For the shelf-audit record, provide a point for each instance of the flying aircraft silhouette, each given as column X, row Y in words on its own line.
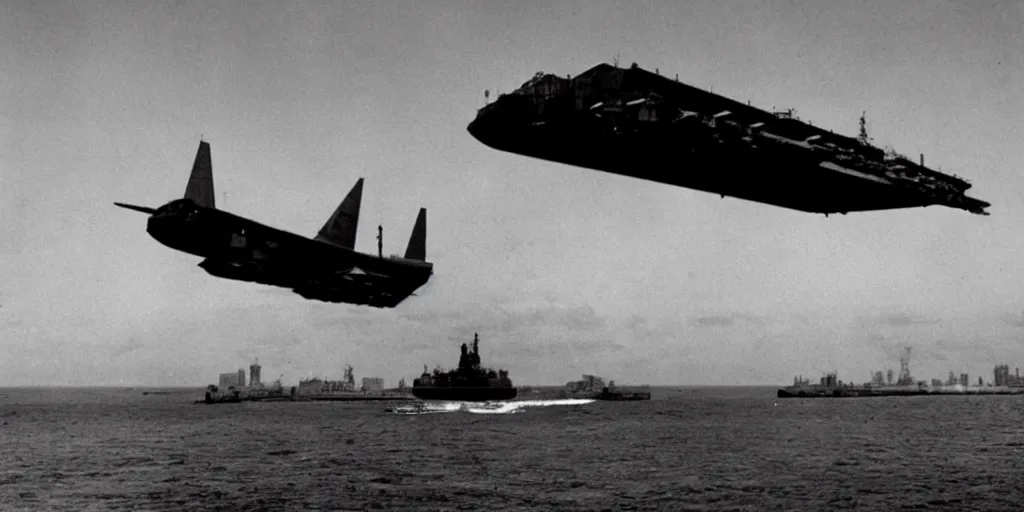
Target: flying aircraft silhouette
column 636, row 123
column 325, row 268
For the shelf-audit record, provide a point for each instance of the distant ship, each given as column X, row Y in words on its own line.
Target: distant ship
column 258, row 392
column 469, row 382
column 831, row 387
column 593, row 387
column 345, row 390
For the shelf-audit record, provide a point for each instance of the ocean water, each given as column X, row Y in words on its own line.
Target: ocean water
column 686, row 449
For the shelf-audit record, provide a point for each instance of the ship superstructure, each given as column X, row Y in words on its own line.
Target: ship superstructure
column 469, row 382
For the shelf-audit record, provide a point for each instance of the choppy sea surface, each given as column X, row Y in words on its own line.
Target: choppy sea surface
column 686, row 449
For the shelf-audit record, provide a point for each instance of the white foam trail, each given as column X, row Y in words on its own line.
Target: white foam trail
column 433, row 407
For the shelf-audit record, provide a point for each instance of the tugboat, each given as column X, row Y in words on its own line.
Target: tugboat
column 470, row 382
column 214, row 395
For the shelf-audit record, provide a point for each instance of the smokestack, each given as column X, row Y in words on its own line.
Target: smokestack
column 922, row 159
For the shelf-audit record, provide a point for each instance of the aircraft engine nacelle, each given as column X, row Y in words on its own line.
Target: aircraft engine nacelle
column 240, row 271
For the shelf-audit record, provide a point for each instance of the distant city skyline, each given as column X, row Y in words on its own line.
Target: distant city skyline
column 562, row 271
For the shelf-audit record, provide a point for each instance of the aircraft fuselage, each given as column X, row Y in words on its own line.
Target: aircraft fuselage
column 244, row 250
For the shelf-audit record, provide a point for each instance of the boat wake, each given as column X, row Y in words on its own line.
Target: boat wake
column 513, row 407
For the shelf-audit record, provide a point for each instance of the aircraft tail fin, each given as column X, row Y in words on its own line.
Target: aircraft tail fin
column 417, row 249
column 341, row 228
column 200, row 182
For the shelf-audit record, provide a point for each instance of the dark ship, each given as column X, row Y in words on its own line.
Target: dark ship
column 470, row 382
column 633, row 122
column 594, row 387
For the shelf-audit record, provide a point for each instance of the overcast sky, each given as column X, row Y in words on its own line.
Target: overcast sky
column 561, row 270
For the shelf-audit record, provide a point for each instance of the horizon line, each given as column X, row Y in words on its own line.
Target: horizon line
column 147, row 386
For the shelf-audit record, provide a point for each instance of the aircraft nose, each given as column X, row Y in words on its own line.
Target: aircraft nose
column 496, row 120
column 474, row 127
column 157, row 225
column 483, row 127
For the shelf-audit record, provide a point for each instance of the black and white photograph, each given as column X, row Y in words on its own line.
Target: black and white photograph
column 512, row 255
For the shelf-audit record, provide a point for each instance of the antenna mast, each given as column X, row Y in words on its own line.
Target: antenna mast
column 905, row 379
column 380, row 240
column 863, row 137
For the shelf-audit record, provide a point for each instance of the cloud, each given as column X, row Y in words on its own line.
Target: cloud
column 898, row 319
column 125, row 348
column 727, row 320
column 497, row 317
column 1014, row 320
column 713, row 321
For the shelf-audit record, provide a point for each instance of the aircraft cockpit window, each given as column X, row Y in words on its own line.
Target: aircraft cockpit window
column 172, row 208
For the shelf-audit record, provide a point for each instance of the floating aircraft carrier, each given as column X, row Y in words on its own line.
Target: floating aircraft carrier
column 637, row 123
